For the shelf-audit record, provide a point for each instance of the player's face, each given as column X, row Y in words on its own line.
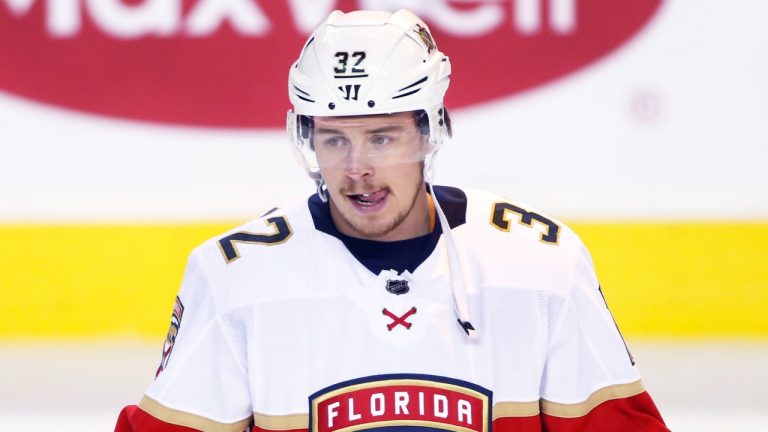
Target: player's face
column 372, row 166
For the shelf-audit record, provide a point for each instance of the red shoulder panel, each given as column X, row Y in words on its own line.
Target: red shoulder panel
column 133, row 419
column 517, row 424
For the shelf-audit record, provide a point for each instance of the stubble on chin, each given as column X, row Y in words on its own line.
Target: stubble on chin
column 368, row 226
column 373, row 226
column 378, row 228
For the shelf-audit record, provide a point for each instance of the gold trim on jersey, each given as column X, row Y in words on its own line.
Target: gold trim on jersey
column 181, row 418
column 618, row 391
column 281, row 422
column 432, row 212
column 515, row 409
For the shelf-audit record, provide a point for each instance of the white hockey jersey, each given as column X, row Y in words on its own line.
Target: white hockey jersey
column 286, row 324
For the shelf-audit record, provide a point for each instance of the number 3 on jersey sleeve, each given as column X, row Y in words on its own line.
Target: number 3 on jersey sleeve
column 281, row 233
column 500, row 220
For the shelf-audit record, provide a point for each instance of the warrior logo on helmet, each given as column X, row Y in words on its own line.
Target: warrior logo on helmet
column 426, row 38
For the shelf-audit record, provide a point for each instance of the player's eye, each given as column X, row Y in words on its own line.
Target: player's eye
column 334, row 141
column 381, row 139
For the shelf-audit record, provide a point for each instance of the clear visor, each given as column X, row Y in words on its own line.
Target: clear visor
column 360, row 142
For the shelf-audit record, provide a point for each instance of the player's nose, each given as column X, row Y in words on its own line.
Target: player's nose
column 358, row 162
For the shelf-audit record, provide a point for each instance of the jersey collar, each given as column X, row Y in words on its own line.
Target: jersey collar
column 398, row 255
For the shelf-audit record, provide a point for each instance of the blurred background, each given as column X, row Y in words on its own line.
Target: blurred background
column 133, row 130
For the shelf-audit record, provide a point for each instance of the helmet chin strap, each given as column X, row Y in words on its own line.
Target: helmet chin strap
column 460, row 302
column 321, row 192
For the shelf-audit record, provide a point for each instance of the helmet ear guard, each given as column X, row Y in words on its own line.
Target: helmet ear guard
column 306, row 125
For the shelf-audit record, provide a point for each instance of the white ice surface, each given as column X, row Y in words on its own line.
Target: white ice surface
column 698, row 386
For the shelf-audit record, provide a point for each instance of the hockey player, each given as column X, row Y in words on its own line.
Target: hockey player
column 383, row 301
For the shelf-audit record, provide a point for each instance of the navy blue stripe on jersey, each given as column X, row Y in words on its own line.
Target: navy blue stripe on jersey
column 398, row 255
column 453, row 201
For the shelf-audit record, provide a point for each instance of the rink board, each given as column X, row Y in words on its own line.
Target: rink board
column 660, row 279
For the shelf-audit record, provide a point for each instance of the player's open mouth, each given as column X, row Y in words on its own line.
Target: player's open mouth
column 369, row 201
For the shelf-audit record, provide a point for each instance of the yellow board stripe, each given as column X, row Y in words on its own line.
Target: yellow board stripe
column 683, row 279
column 99, row 280
column 660, row 279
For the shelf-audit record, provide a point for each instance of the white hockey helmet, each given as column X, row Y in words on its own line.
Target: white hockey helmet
column 365, row 63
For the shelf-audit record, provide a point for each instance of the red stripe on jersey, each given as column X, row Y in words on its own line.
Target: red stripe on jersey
column 133, row 419
column 258, row 429
column 637, row 413
column 517, row 424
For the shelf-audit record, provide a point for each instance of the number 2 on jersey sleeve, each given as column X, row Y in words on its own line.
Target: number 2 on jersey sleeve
column 281, row 233
column 500, row 220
